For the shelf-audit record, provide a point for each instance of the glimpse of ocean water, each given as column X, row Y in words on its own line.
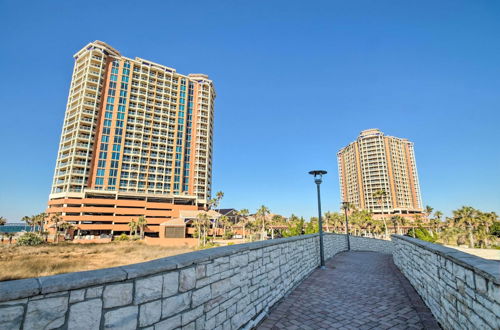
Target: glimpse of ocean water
column 14, row 228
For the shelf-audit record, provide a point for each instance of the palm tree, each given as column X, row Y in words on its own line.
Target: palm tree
column 327, row 220
column 133, row 227
column 466, row 217
column 483, row 236
column 261, row 216
column 9, row 236
column 210, row 203
column 435, row 225
column 339, row 222
column 34, row 222
column 56, row 220
column 428, row 210
column 357, row 224
column 436, row 221
column 40, row 221
column 403, row 221
column 28, row 220
column 204, row 220
column 224, row 220
column 488, row 219
column 219, row 195
column 380, row 195
column 377, row 228
column 333, row 219
column 438, row 215
column 295, row 226
column 417, row 221
column 45, row 235
column 277, row 220
column 368, row 227
column 346, row 206
column 66, row 226
column 244, row 214
column 226, row 224
column 141, row 224
column 197, row 223
column 214, row 203
column 485, row 221
column 3, row 221
column 360, row 220
column 396, row 220
column 447, row 234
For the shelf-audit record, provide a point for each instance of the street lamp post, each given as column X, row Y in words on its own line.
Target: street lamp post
column 318, row 174
column 345, row 206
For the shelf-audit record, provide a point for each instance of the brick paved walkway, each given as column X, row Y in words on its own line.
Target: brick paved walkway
column 357, row 290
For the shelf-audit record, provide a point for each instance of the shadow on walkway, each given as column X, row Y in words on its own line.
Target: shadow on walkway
column 357, row 290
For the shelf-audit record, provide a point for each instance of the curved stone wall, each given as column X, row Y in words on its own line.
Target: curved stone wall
column 227, row 287
column 462, row 290
column 370, row 244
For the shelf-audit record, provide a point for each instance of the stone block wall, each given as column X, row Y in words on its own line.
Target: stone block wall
column 221, row 288
column 333, row 244
column 370, row 244
column 462, row 290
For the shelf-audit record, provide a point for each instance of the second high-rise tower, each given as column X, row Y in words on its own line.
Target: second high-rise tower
column 376, row 162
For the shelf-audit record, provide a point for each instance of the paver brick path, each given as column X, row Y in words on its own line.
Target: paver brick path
column 357, row 290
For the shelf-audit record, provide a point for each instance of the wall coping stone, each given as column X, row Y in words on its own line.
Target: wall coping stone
column 17, row 289
column 11, row 290
column 488, row 268
column 76, row 280
column 149, row 267
column 364, row 237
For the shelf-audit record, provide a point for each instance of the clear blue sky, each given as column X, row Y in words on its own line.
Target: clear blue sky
column 296, row 81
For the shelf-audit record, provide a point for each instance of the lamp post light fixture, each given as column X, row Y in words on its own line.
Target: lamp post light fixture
column 345, row 206
column 318, row 174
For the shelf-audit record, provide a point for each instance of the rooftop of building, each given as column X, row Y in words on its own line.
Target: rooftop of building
column 225, row 211
column 376, row 132
column 200, row 77
column 369, row 133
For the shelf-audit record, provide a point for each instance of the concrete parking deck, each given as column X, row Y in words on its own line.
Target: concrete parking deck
column 357, row 290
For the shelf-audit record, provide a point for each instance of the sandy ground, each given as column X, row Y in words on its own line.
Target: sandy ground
column 32, row 261
column 483, row 253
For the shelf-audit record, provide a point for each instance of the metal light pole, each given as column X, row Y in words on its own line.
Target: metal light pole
column 345, row 206
column 318, row 174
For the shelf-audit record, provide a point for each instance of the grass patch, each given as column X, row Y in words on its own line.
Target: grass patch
column 49, row 259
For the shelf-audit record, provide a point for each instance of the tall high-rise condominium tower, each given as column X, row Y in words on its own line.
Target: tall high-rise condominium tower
column 136, row 141
column 377, row 162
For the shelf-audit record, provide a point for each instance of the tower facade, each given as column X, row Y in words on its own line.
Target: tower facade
column 378, row 162
column 136, row 141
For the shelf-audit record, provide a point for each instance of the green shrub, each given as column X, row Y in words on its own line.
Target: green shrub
column 423, row 234
column 495, row 229
column 294, row 229
column 227, row 235
column 209, row 245
column 122, row 237
column 311, row 228
column 29, row 239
